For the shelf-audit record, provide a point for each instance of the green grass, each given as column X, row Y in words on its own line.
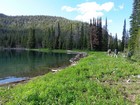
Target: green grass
column 96, row 80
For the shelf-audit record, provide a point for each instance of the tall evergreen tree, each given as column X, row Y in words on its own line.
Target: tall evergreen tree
column 135, row 24
column 99, row 33
column 51, row 38
column 31, row 38
column 58, row 33
column 105, row 37
column 91, row 34
column 137, row 47
column 86, row 36
column 71, row 38
column 82, row 37
column 45, row 40
column 116, row 42
column 77, row 37
column 110, row 41
column 124, row 36
column 95, row 37
column 127, row 39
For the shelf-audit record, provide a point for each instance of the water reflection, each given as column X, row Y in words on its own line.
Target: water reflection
column 21, row 64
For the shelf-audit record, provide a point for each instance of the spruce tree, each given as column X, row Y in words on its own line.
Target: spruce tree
column 31, row 38
column 135, row 24
column 91, row 35
column 82, row 37
column 105, row 37
column 116, row 42
column 124, row 36
column 45, row 40
column 71, row 39
column 95, row 37
column 99, row 33
column 51, row 38
column 58, row 33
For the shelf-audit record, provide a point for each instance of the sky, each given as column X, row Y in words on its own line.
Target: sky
column 83, row 10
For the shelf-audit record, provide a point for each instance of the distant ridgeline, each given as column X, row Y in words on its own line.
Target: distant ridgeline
column 53, row 33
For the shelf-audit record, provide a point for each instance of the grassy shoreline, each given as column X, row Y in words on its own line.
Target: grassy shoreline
column 97, row 79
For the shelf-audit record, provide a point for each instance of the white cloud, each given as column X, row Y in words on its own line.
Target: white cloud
column 68, row 8
column 107, row 6
column 121, row 6
column 89, row 10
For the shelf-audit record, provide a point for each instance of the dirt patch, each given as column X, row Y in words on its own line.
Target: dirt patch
column 129, row 87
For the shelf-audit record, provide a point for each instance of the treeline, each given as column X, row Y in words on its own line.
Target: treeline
column 55, row 33
column 134, row 44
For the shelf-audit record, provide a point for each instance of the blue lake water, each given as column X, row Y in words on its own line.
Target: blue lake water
column 17, row 65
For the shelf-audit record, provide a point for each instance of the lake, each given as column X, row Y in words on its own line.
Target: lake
column 17, row 65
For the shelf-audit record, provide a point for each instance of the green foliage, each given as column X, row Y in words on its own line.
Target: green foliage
column 71, row 39
column 124, row 36
column 105, row 37
column 137, row 46
column 99, row 33
column 134, row 34
column 52, row 33
column 58, row 33
column 82, row 37
column 31, row 39
column 116, row 42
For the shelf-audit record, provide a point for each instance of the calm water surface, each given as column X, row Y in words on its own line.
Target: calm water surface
column 17, row 65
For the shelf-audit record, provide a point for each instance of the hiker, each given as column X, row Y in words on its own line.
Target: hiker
column 129, row 54
column 124, row 54
column 115, row 53
column 109, row 52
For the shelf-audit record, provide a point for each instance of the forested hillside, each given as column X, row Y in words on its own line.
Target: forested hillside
column 54, row 33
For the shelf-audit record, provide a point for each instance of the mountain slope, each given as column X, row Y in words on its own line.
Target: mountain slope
column 28, row 21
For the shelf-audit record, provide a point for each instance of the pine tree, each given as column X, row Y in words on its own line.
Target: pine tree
column 82, row 37
column 58, row 33
column 95, row 37
column 116, row 42
column 99, row 33
column 124, row 36
column 137, row 47
column 77, row 37
column 71, row 39
column 86, row 38
column 51, row 38
column 91, row 34
column 135, row 24
column 31, row 38
column 127, row 39
column 44, row 40
column 105, row 37
column 110, row 41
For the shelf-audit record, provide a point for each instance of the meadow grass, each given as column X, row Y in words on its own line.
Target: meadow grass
column 96, row 80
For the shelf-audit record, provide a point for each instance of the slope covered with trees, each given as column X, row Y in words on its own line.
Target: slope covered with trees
column 53, row 33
